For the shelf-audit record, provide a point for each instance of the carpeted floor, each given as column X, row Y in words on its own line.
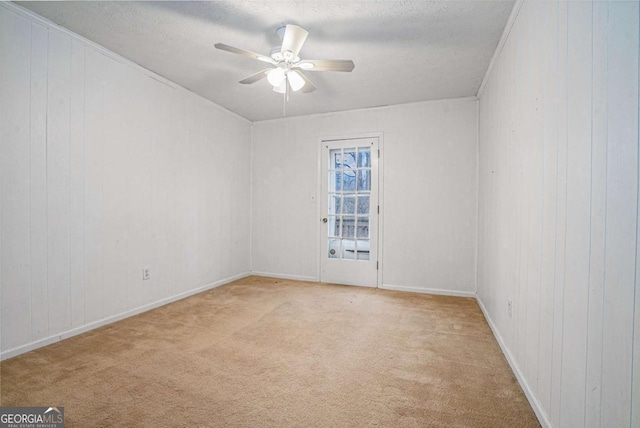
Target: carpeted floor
column 262, row 352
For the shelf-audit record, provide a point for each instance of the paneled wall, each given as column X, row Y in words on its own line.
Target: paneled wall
column 429, row 209
column 107, row 169
column 558, row 211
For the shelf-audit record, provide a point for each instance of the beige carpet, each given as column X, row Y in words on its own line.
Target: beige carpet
column 263, row 352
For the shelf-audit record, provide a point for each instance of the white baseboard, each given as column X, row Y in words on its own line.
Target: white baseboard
column 425, row 290
column 535, row 404
column 93, row 325
column 286, row 276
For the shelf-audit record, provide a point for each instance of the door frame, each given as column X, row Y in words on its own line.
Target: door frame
column 319, row 229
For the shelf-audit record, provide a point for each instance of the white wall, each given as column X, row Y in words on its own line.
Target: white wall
column 429, row 155
column 558, row 212
column 105, row 169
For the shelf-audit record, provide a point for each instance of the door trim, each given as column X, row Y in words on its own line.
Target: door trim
column 318, row 218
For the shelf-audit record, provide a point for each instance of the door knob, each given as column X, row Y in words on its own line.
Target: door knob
column 324, row 220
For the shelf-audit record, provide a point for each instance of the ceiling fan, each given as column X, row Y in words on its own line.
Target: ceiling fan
column 286, row 66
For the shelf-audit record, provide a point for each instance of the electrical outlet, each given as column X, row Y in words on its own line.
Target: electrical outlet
column 146, row 274
column 510, row 307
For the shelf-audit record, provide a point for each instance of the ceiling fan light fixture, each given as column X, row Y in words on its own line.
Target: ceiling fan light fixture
column 276, row 77
column 282, row 88
column 295, row 80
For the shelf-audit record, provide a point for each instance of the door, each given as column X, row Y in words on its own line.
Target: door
column 349, row 212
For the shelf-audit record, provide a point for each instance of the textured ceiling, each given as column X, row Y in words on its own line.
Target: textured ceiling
column 404, row 51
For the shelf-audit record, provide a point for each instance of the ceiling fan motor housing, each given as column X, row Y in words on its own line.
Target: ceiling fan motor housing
column 277, row 55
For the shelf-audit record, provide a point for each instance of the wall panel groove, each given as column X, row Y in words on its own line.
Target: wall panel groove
column 635, row 387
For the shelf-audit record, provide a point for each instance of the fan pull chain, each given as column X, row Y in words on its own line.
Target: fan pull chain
column 284, row 103
column 285, row 98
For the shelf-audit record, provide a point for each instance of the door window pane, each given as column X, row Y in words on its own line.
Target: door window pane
column 349, row 204
column 348, row 226
column 363, row 227
column 335, row 159
column 334, row 225
column 363, row 204
column 348, row 249
column 364, row 158
column 349, row 183
column 334, row 249
column 349, row 159
column 364, row 180
column 335, row 181
column 335, row 204
column 363, row 250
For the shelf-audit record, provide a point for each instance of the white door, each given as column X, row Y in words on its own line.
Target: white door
column 349, row 212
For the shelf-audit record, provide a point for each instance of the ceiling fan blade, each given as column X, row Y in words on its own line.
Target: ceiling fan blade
column 294, row 37
column 326, row 65
column 246, row 53
column 255, row 77
column 308, row 86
